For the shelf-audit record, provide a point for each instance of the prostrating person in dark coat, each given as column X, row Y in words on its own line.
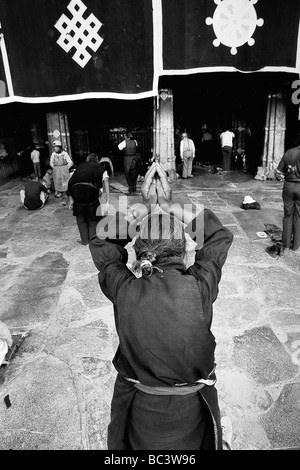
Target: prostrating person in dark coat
column 85, row 193
column 34, row 195
column 164, row 395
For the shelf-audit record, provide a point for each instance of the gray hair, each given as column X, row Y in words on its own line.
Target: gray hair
column 92, row 157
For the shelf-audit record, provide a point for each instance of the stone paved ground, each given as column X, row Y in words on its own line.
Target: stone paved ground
column 60, row 382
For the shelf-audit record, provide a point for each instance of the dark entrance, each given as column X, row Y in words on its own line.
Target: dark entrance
column 232, row 99
column 99, row 126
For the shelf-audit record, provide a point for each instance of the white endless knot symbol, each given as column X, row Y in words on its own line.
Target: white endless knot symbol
column 79, row 32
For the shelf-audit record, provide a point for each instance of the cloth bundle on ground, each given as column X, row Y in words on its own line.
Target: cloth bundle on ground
column 218, row 170
column 275, row 250
column 274, row 232
column 250, row 203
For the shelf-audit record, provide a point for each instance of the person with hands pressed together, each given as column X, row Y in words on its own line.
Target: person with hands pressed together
column 164, row 395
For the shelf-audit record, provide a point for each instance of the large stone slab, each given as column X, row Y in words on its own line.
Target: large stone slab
column 280, row 287
column 35, row 291
column 234, row 312
column 28, row 423
column 282, row 421
column 259, row 352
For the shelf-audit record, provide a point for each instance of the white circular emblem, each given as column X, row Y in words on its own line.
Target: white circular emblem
column 234, row 23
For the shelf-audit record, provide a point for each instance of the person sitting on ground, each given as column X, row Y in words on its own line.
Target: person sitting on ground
column 34, row 195
column 85, row 191
column 164, row 395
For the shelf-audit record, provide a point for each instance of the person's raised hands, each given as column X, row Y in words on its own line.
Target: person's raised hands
column 163, row 188
column 148, row 189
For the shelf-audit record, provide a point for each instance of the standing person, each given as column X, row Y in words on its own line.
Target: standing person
column 34, row 195
column 226, row 139
column 187, row 154
column 164, row 395
column 289, row 170
column 206, row 149
column 35, row 158
column 85, row 192
column 130, row 161
column 61, row 163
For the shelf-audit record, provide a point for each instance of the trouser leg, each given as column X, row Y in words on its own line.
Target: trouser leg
column 134, row 171
column 93, row 227
column 288, row 202
column 128, row 173
column 226, row 153
column 189, row 167
column 184, row 168
column 35, row 169
column 296, row 224
column 83, row 227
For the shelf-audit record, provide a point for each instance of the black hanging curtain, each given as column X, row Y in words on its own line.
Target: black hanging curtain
column 224, row 35
column 60, row 48
column 68, row 49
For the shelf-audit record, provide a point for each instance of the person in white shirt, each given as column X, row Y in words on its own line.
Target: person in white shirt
column 187, row 154
column 35, row 157
column 227, row 147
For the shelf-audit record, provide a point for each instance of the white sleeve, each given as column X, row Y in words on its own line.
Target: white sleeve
column 122, row 145
column 51, row 160
column 105, row 175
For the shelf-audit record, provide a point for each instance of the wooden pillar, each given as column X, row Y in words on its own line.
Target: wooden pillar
column 163, row 144
column 58, row 129
column 275, row 128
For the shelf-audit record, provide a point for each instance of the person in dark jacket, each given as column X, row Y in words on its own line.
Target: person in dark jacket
column 131, row 161
column 85, row 193
column 34, row 195
column 164, row 395
column 289, row 171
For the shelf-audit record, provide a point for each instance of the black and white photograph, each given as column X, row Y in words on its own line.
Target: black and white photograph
column 150, row 227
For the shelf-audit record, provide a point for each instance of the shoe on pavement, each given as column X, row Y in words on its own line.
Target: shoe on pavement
column 81, row 243
column 227, row 432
